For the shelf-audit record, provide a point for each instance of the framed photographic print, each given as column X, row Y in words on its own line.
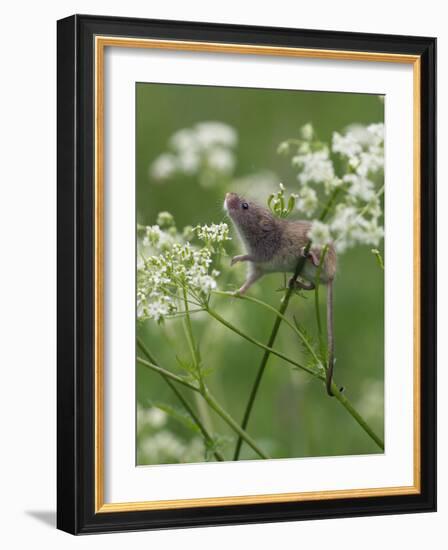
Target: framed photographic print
column 246, row 274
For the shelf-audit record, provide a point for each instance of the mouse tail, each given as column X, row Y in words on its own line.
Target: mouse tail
column 330, row 338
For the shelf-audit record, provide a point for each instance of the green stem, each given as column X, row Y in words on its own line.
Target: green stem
column 191, row 341
column 166, row 373
column 195, row 355
column 339, row 395
column 204, row 391
column 283, row 307
column 212, row 403
column 284, row 319
column 267, row 349
column 234, row 425
column 207, row 437
column 359, row 419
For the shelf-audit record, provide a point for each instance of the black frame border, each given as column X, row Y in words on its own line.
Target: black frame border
column 76, row 262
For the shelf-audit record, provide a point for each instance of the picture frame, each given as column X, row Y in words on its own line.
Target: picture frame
column 82, row 209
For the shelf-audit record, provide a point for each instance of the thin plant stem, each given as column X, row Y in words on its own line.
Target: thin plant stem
column 188, row 328
column 174, row 315
column 337, row 392
column 249, row 338
column 166, row 373
column 355, row 414
column 212, row 403
column 283, row 307
column 284, row 319
column 207, row 437
column 233, row 424
column 191, row 342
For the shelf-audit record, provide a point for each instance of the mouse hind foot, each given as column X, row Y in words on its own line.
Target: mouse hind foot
column 301, row 284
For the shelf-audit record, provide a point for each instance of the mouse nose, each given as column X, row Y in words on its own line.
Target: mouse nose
column 231, row 200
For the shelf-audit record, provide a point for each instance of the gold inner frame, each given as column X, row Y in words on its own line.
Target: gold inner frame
column 101, row 42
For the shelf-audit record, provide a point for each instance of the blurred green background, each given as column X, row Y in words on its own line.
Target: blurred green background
column 292, row 417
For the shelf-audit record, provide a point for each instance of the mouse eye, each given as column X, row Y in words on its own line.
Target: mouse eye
column 244, row 205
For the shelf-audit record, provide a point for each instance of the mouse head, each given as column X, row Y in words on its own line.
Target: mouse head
column 243, row 211
column 252, row 220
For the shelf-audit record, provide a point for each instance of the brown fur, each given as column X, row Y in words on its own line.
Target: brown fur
column 275, row 245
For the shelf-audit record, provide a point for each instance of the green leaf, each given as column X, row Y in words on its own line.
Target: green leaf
column 189, row 368
column 378, row 256
column 291, row 203
column 313, row 356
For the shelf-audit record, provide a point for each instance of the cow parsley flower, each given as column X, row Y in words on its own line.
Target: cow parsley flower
column 283, row 148
column 362, row 146
column 370, row 162
column 165, row 219
column 163, row 167
column 166, row 447
column 171, row 266
column 314, row 167
column 162, row 447
column 353, row 167
column 360, row 187
column 188, row 162
column 215, row 133
column 221, row 160
column 152, row 417
column 157, row 238
column 345, row 145
column 345, row 226
column 307, row 201
column 213, row 235
column 184, row 140
column 205, row 150
column 319, row 234
column 307, row 131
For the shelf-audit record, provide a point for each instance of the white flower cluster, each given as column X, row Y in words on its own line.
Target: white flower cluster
column 319, row 234
column 165, row 219
column 159, row 239
column 363, row 147
column 156, row 444
column 213, row 235
column 205, row 150
column 356, row 217
column 314, row 166
column 168, row 265
column 165, row 447
column 152, row 417
column 307, row 200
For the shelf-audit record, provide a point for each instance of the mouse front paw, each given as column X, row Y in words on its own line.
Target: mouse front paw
column 236, row 259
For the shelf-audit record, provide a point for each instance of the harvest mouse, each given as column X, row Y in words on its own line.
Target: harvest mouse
column 275, row 245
